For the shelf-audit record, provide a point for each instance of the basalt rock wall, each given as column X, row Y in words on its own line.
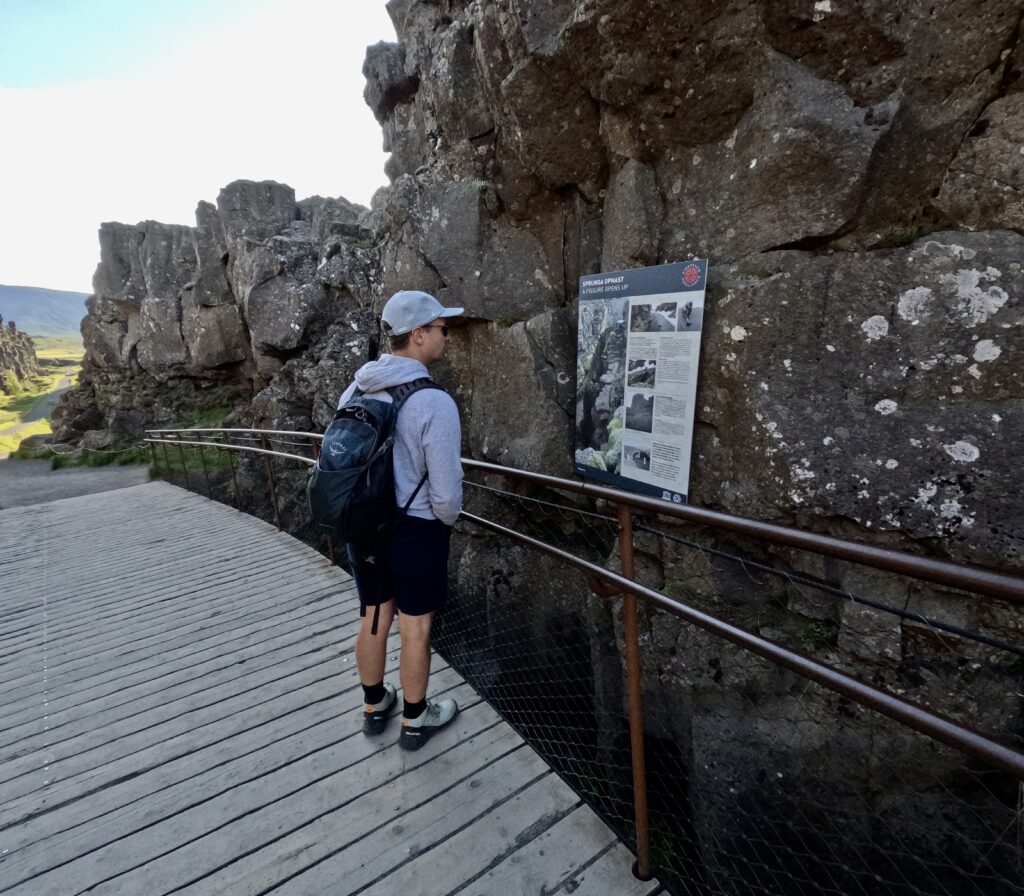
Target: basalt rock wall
column 854, row 173
column 257, row 312
column 17, row 356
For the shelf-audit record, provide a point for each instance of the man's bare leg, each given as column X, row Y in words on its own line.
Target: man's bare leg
column 371, row 650
column 421, row 718
column 414, row 663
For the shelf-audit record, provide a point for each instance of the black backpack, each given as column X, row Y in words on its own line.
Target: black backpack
column 351, row 490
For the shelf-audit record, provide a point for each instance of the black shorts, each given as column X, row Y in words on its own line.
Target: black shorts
column 412, row 570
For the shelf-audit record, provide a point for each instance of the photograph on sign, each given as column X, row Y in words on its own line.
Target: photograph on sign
column 636, row 376
column 642, row 373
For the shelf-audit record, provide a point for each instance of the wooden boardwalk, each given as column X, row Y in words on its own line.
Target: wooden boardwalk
column 180, row 714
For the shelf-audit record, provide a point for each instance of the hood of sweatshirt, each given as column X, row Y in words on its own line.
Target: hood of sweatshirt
column 388, row 371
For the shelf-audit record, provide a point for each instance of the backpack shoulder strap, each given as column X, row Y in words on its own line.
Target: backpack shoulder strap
column 400, row 393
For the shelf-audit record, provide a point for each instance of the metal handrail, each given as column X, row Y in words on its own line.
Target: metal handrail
column 979, row 579
column 910, row 714
column 969, row 577
column 266, row 432
column 932, row 724
column 265, row 451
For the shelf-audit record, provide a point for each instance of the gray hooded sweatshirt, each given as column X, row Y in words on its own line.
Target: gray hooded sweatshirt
column 427, row 438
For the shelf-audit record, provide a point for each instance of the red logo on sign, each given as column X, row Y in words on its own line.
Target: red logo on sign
column 691, row 274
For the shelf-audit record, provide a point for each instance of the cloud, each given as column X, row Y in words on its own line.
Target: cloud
column 277, row 97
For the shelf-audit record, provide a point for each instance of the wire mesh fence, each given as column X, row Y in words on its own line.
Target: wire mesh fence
column 759, row 781
column 260, row 473
column 954, row 653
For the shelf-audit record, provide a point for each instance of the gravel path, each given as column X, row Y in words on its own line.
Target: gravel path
column 24, row 482
column 44, row 407
column 41, row 408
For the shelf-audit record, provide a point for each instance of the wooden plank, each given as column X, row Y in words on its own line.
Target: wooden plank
column 612, row 873
column 156, row 594
column 580, row 855
column 137, row 535
column 175, row 642
column 223, row 535
column 149, row 593
column 58, row 794
column 182, row 710
column 171, row 785
column 438, row 860
column 152, row 599
column 229, row 633
column 90, row 566
column 140, row 523
column 283, row 786
column 339, row 836
column 550, row 861
column 185, row 590
column 221, row 627
column 28, row 774
column 221, row 612
column 138, row 679
column 115, row 714
column 156, row 855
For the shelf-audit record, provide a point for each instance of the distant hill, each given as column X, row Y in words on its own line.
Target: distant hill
column 42, row 312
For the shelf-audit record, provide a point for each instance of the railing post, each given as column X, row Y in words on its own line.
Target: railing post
column 167, row 457
column 184, row 467
column 152, row 454
column 270, row 477
column 234, row 480
column 206, row 473
column 631, row 634
column 314, row 450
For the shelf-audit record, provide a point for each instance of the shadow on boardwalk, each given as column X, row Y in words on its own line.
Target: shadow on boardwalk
column 25, row 482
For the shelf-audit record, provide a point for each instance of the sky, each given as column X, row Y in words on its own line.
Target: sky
column 133, row 110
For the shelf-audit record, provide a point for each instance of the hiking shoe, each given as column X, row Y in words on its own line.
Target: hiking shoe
column 416, row 732
column 376, row 717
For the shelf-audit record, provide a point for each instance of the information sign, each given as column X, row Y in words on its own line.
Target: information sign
column 636, row 376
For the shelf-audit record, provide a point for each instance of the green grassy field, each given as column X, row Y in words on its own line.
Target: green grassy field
column 58, row 357
column 10, row 443
column 57, row 349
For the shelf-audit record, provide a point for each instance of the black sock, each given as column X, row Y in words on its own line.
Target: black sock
column 414, row 710
column 374, row 693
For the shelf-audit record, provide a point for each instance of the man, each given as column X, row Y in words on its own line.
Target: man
column 410, row 576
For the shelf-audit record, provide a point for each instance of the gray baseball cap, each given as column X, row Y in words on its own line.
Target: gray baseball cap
column 410, row 308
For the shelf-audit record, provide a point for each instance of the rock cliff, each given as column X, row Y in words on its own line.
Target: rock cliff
column 259, row 308
column 17, row 357
column 849, row 170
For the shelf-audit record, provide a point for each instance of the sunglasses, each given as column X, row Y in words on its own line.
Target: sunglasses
column 442, row 327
